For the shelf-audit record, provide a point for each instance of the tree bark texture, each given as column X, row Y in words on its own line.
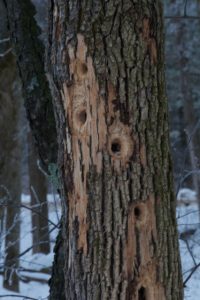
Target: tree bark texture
column 57, row 281
column 29, row 50
column 106, row 69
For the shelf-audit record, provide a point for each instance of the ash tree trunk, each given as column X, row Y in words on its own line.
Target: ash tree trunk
column 106, row 69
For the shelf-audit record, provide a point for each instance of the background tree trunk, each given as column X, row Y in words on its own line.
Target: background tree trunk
column 105, row 62
column 38, row 192
column 29, row 51
column 10, row 155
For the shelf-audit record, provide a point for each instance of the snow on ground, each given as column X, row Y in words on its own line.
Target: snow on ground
column 37, row 262
column 188, row 220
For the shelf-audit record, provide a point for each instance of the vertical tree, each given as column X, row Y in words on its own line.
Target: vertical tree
column 105, row 64
column 183, row 89
column 38, row 192
column 10, row 154
column 29, row 50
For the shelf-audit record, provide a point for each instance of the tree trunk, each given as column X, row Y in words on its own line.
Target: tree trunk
column 191, row 122
column 11, row 100
column 106, row 69
column 38, row 192
column 29, row 51
column 57, row 278
column 10, row 155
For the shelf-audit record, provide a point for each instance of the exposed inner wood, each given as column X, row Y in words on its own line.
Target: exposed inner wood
column 117, row 167
column 85, row 112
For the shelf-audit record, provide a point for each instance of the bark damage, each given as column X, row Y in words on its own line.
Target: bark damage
column 85, row 112
column 90, row 137
column 141, row 239
column 120, row 229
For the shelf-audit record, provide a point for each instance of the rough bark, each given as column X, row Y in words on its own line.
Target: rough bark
column 57, row 282
column 38, row 192
column 30, row 59
column 106, row 69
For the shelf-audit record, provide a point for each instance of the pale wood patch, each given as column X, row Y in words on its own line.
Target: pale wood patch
column 85, row 112
column 141, row 216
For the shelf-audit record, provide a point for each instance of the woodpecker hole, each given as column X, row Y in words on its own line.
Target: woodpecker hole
column 140, row 213
column 142, row 294
column 84, row 68
column 116, row 147
column 82, row 117
column 137, row 212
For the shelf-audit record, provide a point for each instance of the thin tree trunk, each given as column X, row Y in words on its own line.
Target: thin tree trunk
column 29, row 51
column 10, row 155
column 57, row 282
column 11, row 171
column 192, row 132
column 105, row 64
column 38, row 192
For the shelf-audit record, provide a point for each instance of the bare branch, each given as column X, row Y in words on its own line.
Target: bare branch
column 183, row 17
column 4, row 40
column 5, row 53
column 19, row 296
column 190, row 275
column 186, row 214
column 185, row 8
column 36, row 212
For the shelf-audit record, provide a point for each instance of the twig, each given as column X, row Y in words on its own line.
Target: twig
column 31, row 209
column 5, row 53
column 28, row 249
column 4, row 40
column 190, row 224
column 190, row 275
column 35, row 195
column 183, row 17
column 186, row 214
column 39, row 214
column 190, row 252
column 18, row 296
column 185, row 9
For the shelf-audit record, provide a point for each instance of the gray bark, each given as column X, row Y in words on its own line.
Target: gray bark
column 30, row 59
column 106, row 69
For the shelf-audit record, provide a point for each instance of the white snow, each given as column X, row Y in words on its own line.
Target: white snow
column 34, row 289
column 186, row 195
column 188, row 220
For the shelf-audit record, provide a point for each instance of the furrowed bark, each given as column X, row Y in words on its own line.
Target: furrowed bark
column 106, row 69
column 57, row 282
column 30, row 59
